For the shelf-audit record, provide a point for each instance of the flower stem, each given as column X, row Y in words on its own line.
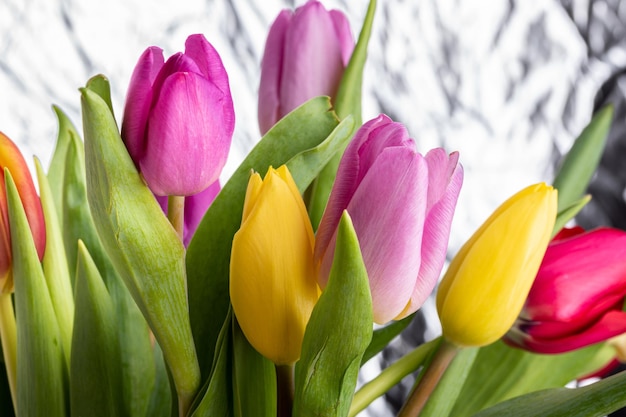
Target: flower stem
column 285, row 387
column 417, row 400
column 391, row 376
column 8, row 334
column 176, row 213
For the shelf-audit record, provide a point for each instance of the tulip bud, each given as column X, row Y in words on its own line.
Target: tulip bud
column 306, row 53
column 578, row 295
column 179, row 118
column 12, row 159
column 488, row 280
column 196, row 206
column 401, row 204
column 272, row 278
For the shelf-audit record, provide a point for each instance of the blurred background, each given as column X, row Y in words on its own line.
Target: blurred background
column 507, row 83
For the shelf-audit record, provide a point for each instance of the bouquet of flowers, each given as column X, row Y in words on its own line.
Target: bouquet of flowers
column 135, row 284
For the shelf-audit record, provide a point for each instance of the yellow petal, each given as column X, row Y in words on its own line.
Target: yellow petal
column 272, row 285
column 488, row 281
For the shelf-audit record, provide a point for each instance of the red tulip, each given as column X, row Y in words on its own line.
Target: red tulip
column 12, row 159
column 578, row 295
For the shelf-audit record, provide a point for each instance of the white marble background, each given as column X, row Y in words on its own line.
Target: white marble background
column 509, row 84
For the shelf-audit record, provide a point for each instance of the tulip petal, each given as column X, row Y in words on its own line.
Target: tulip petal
column 195, row 207
column 344, row 34
column 487, row 282
column 11, row 158
column 272, row 71
column 368, row 143
column 272, row 285
column 198, row 146
column 445, row 177
column 208, row 61
column 139, row 99
column 611, row 324
column 315, row 61
column 568, row 271
column 389, row 223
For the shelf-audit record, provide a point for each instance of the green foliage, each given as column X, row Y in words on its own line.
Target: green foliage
column 331, row 354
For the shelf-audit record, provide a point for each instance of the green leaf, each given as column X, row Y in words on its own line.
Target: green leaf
column 501, row 372
column 134, row 339
column 347, row 102
column 99, row 84
column 254, row 379
column 41, row 368
column 55, row 265
column 383, row 336
column 568, row 213
column 582, row 160
column 56, row 170
column 327, row 372
column 595, row 400
column 160, row 402
column 303, row 129
column 216, row 397
column 95, row 375
column 140, row 242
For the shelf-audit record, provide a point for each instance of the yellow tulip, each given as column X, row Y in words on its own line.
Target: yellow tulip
column 487, row 283
column 273, row 281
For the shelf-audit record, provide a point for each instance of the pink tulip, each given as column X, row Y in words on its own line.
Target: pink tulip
column 401, row 204
column 578, row 295
column 179, row 118
column 196, row 206
column 305, row 55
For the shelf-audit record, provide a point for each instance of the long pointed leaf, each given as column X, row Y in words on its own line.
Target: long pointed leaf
column 41, row 369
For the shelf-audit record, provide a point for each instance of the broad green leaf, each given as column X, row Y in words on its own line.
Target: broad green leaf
column 41, row 368
column 347, row 102
column 595, row 400
column 327, row 372
column 254, row 379
column 140, row 242
column 581, row 161
column 134, row 339
column 501, row 372
column 391, row 375
column 216, row 395
column 160, row 402
column 55, row 265
column 441, row 400
column 384, row 335
column 95, row 374
column 207, row 276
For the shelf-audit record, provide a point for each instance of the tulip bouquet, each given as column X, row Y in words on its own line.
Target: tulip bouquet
column 135, row 284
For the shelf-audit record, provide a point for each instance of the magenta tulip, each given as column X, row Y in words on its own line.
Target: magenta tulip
column 401, row 204
column 578, row 295
column 179, row 118
column 306, row 53
column 196, row 206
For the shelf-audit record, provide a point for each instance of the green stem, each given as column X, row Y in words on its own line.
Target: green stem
column 390, row 377
column 418, row 398
column 176, row 213
column 8, row 334
column 285, row 388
